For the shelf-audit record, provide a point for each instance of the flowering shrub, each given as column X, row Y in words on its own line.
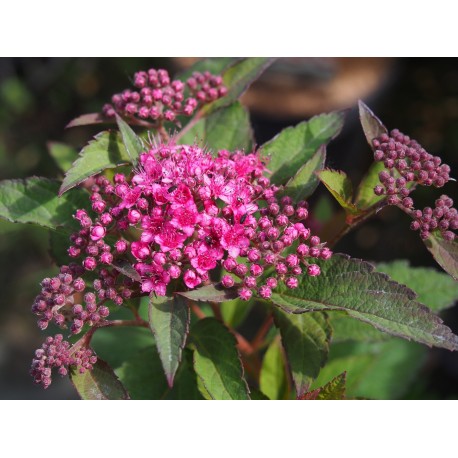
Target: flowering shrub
column 194, row 228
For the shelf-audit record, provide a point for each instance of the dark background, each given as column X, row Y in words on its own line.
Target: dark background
column 38, row 97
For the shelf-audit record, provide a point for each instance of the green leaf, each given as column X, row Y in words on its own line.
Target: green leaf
column 143, row 376
column 444, row 252
column 99, row 383
column 234, row 312
column 351, row 285
column 169, row 320
column 372, row 126
column 378, row 370
column 88, row 119
column 58, row 246
column 228, row 128
column 125, row 267
column 346, row 328
column 435, row 289
column 294, row 146
column 97, row 118
column 216, row 360
column 306, row 338
column 332, row 391
column 133, row 144
column 257, row 395
column 339, row 185
column 273, row 381
column 119, row 344
column 63, row 154
column 237, row 78
column 35, row 200
column 304, row 182
column 106, row 151
column 215, row 66
column 211, row 293
column 365, row 195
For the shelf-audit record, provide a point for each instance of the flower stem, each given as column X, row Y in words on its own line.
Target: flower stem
column 258, row 340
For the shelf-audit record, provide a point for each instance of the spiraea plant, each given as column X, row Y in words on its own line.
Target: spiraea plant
column 190, row 265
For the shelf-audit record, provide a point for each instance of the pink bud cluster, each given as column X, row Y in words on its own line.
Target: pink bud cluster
column 194, row 212
column 58, row 298
column 156, row 97
column 57, row 353
column 407, row 165
column 442, row 217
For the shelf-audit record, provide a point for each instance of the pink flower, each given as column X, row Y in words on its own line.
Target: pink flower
column 204, row 261
column 313, row 270
column 233, row 240
column 180, row 195
column 97, row 233
column 169, row 238
column 140, row 250
column 184, row 217
column 191, row 279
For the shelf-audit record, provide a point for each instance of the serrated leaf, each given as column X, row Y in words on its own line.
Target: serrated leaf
column 211, row 293
column 377, row 370
column 304, row 182
column 125, row 267
column 234, row 312
column 100, row 383
column 365, row 195
column 35, row 200
column 132, row 142
column 334, row 390
column 237, row 78
column 306, row 338
column 353, row 286
column 434, row 289
column 294, row 146
column 63, row 155
column 372, row 126
column 97, row 118
column 216, row 360
column 143, row 376
column 339, row 185
column 273, row 381
column 106, row 151
column 228, row 128
column 169, row 320
column 88, row 119
column 444, row 252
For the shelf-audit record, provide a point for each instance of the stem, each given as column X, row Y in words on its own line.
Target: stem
column 216, row 311
column 242, row 344
column 189, row 126
column 258, row 340
column 163, row 133
column 86, row 339
column 197, row 311
column 355, row 222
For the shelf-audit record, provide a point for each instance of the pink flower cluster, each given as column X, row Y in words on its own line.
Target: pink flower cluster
column 182, row 213
column 407, row 164
column 57, row 353
column 179, row 215
column 159, row 98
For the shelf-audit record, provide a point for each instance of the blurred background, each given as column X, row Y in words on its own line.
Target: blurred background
column 38, row 97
